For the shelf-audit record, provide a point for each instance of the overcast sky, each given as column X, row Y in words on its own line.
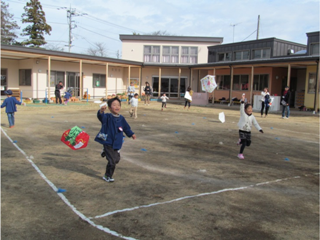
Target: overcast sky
column 233, row 20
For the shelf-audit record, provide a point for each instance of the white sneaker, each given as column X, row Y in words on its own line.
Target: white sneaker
column 108, row 179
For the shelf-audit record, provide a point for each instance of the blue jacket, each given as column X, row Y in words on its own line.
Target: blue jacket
column 112, row 129
column 67, row 95
column 10, row 104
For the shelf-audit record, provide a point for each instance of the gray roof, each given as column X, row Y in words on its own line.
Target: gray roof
column 66, row 54
column 171, row 38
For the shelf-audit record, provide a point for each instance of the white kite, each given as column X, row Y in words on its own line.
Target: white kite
column 222, row 118
column 208, row 83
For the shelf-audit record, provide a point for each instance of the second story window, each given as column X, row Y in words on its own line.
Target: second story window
column 151, row 54
column 261, row 53
column 189, row 55
column 241, row 55
column 314, row 49
column 170, row 54
column 224, row 56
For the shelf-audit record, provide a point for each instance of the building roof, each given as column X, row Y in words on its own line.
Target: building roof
column 40, row 53
column 170, row 38
column 257, row 41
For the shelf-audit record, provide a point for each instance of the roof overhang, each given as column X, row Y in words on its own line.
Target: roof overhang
column 25, row 53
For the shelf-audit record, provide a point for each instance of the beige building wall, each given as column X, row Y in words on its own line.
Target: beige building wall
column 133, row 50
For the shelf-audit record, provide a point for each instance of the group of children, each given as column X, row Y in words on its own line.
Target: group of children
column 113, row 125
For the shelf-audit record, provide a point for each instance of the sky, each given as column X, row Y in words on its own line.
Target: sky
column 102, row 21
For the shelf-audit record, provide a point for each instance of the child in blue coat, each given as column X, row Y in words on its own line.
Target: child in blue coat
column 10, row 104
column 67, row 96
column 111, row 134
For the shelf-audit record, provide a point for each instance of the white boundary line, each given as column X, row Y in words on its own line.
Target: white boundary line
column 66, row 201
column 193, row 196
column 107, row 230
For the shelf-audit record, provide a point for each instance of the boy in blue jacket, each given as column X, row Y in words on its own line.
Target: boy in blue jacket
column 10, row 104
column 111, row 134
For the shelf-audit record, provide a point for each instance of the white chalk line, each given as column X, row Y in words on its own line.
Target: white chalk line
column 64, row 199
column 193, row 196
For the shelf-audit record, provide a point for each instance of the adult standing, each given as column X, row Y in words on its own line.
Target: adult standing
column 130, row 92
column 285, row 102
column 188, row 97
column 148, row 91
column 265, row 97
column 57, row 92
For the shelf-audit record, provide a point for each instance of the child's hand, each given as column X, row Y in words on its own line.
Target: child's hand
column 261, row 131
column 133, row 136
column 102, row 109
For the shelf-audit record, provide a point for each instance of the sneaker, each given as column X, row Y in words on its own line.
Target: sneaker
column 239, row 141
column 107, row 179
column 111, row 179
column 286, row 118
column 283, row 117
column 11, row 126
column 240, row 156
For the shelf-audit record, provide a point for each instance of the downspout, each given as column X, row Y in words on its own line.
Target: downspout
column 316, row 90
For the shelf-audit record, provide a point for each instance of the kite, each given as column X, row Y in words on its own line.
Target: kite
column 208, row 83
column 75, row 138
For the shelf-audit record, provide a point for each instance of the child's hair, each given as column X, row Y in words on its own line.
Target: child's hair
column 247, row 105
column 110, row 101
column 136, row 94
column 163, row 94
column 189, row 88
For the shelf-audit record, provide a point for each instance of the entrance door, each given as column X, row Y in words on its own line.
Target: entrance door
column 169, row 86
column 73, row 82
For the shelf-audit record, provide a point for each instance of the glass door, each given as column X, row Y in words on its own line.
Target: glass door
column 4, row 76
column 73, row 82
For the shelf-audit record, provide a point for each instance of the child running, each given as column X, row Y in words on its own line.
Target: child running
column 10, row 104
column 245, row 124
column 111, row 135
column 67, row 96
column 164, row 101
column 134, row 106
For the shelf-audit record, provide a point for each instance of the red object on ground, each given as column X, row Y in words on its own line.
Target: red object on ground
column 81, row 140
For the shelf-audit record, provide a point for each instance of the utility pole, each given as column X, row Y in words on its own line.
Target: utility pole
column 71, row 12
column 258, row 27
column 233, row 25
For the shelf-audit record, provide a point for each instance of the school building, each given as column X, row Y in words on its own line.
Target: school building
column 170, row 64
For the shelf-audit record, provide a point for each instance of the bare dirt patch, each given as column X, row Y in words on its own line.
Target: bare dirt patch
column 189, row 180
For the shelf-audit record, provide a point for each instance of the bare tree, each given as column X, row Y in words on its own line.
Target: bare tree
column 54, row 47
column 99, row 49
column 162, row 33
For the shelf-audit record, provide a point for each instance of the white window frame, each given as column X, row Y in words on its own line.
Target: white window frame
column 243, row 51
column 187, row 57
column 153, row 57
column 173, row 57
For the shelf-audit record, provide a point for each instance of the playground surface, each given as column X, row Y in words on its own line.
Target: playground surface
column 180, row 179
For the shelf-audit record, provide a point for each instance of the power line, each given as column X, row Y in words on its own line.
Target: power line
column 101, row 34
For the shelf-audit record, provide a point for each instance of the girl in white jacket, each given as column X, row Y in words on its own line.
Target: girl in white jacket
column 245, row 123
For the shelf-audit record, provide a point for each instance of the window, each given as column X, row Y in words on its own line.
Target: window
column 261, row 53
column 55, row 78
column 3, row 79
column 260, row 82
column 240, row 82
column 189, row 55
column 224, row 56
column 25, row 77
column 99, row 80
column 312, row 83
column 241, row 55
column 314, row 49
column 170, row 54
column 151, row 54
column 223, row 82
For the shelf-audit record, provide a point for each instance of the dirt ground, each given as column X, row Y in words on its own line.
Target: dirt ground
column 188, row 184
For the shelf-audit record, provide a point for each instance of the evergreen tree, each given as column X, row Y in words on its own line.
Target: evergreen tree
column 36, row 16
column 8, row 25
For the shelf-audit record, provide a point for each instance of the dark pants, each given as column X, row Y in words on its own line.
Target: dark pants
column 164, row 104
column 245, row 140
column 57, row 93
column 187, row 102
column 113, row 157
column 129, row 98
column 262, row 108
